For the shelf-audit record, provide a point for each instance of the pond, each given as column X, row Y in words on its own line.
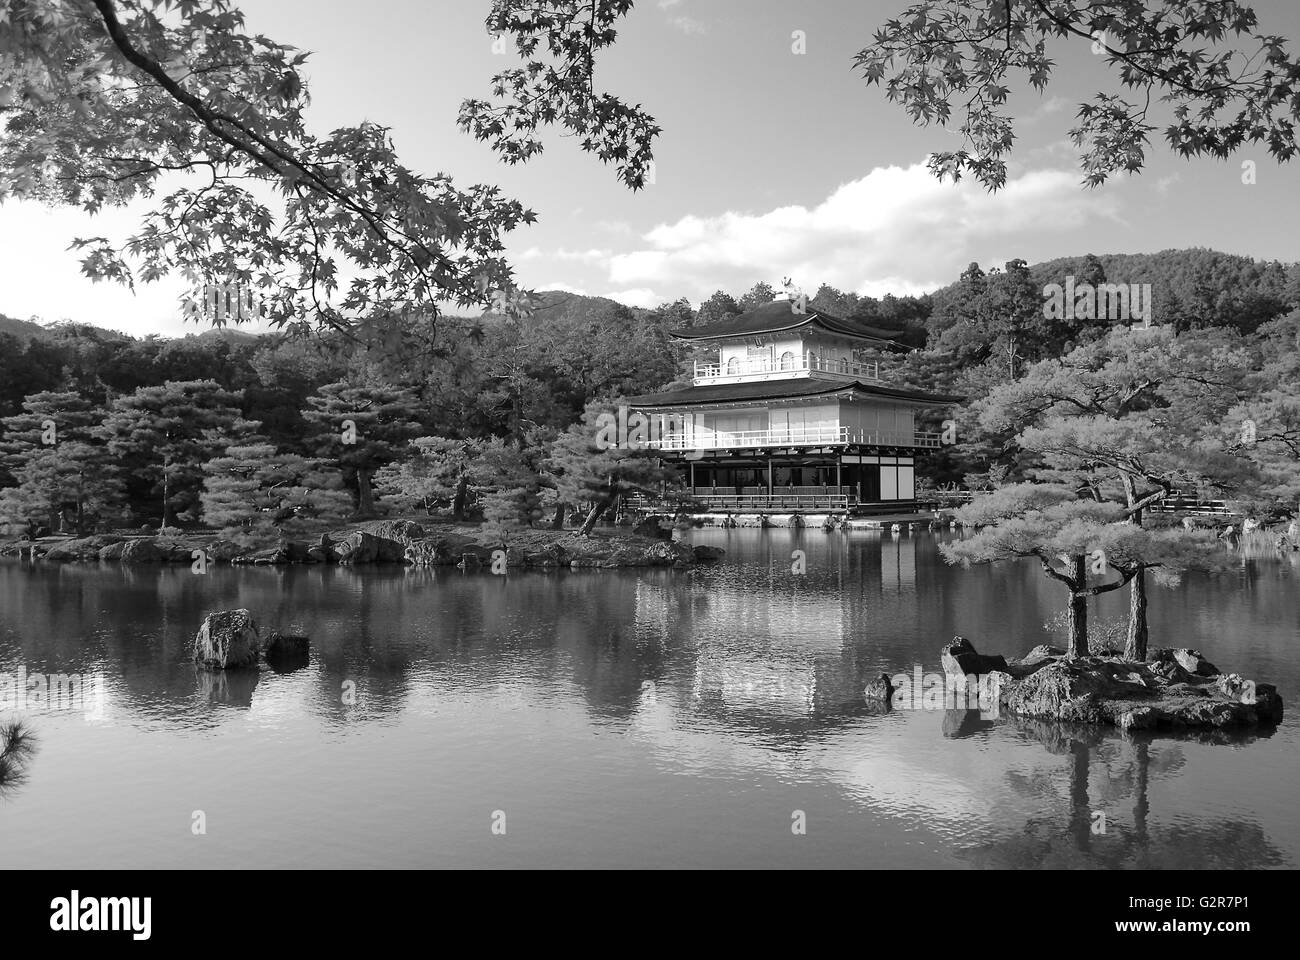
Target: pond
column 622, row 718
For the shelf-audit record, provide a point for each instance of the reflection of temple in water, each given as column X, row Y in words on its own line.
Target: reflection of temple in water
column 785, row 641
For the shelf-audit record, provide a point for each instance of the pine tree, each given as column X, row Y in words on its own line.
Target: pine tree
column 585, row 471
column 1046, row 523
column 507, row 485
column 58, row 462
column 434, row 470
column 1130, row 416
column 360, row 428
column 165, row 434
column 253, row 488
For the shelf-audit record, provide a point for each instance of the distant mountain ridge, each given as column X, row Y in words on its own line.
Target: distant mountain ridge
column 1195, row 284
column 1211, row 285
column 22, row 329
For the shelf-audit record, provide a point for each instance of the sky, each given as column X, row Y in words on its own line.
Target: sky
column 773, row 163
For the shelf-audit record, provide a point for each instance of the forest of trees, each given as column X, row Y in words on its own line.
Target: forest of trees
column 262, row 436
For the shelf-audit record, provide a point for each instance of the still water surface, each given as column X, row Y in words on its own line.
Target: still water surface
column 644, row 718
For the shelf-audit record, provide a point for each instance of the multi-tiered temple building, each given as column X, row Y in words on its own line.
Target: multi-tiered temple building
column 791, row 416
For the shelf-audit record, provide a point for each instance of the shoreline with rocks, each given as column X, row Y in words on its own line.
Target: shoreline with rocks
column 405, row 542
column 1173, row 689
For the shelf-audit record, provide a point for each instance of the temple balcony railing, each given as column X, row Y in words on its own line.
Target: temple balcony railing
column 823, row 436
column 736, row 370
column 720, row 500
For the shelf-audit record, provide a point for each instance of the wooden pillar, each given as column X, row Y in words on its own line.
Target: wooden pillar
column 692, row 467
column 839, row 467
column 769, row 476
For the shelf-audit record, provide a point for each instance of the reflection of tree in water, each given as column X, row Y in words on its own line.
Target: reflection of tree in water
column 17, row 747
column 1103, row 769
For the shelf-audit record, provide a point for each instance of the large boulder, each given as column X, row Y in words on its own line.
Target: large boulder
column 631, row 555
column 85, row 548
column 1034, row 660
column 392, row 538
column 551, row 555
column 388, row 550
column 1189, row 662
column 706, row 554
column 112, row 552
column 227, row 640
column 224, row 551
column 1262, row 696
column 1169, row 671
column 174, row 551
column 140, row 550
column 358, row 547
column 960, row 659
column 879, row 690
column 669, row 552
column 296, row 551
column 429, row 552
column 1194, row 663
column 470, row 556
column 403, row 531
column 1068, row 690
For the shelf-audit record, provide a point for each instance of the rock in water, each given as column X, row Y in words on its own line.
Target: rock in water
column 286, row 652
column 227, row 640
column 880, row 690
column 1137, row 696
column 960, row 659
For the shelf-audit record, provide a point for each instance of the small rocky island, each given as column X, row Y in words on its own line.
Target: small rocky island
column 1171, row 689
column 392, row 542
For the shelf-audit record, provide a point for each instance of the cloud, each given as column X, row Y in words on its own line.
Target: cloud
column 688, row 25
column 560, row 287
column 685, row 24
column 576, row 256
column 1046, row 108
column 639, row 297
column 621, row 227
column 897, row 230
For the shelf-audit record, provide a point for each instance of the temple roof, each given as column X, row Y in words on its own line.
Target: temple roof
column 781, row 390
column 779, row 317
